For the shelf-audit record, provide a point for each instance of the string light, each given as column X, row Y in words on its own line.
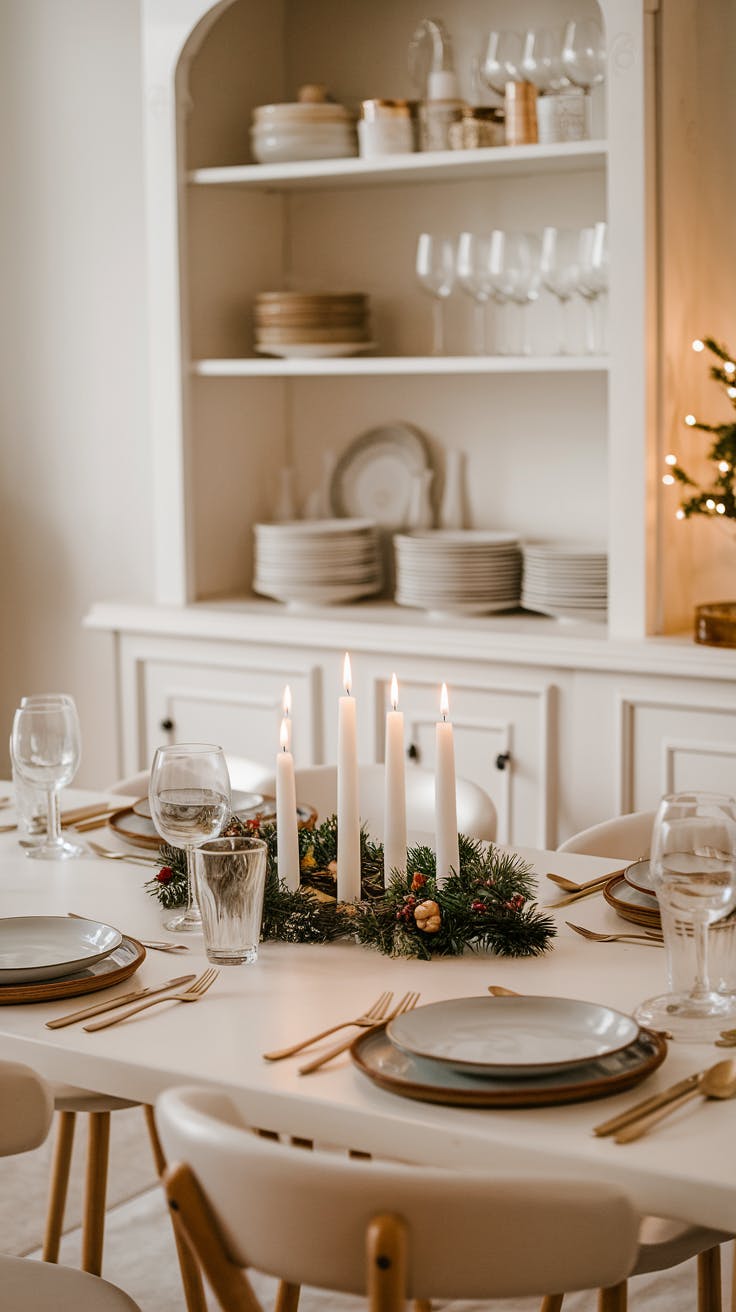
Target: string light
column 690, row 420
column 721, row 508
column 710, row 504
column 731, row 391
column 679, row 514
column 668, row 480
column 670, row 460
column 698, row 345
column 729, row 367
column 723, row 467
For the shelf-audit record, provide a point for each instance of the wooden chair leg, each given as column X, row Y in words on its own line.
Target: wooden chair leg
column 551, row 1303
column 287, row 1297
column 386, row 1264
column 422, row 1305
column 613, row 1299
column 65, row 1123
column 95, row 1190
column 191, row 1211
column 191, row 1276
column 709, row 1280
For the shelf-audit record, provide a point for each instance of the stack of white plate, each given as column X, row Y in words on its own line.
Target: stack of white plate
column 302, row 130
column 317, row 562
column 458, row 571
column 304, row 324
column 568, row 581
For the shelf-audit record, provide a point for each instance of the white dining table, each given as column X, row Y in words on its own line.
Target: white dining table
column 685, row 1169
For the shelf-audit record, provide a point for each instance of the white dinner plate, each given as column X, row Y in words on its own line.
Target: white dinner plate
column 50, row 947
column 519, row 1036
column 639, row 890
column 375, row 475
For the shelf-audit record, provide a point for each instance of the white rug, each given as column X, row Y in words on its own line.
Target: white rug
column 139, row 1249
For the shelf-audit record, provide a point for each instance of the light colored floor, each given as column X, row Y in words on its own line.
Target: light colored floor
column 139, row 1248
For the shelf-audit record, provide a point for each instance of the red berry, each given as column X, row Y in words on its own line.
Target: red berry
column 165, row 875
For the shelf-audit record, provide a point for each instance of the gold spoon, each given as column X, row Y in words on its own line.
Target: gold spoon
column 717, row 1081
column 570, row 886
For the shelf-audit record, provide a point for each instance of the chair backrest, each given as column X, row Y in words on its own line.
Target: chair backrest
column 245, row 775
column 316, row 786
column 26, row 1108
column 303, row 1216
column 626, row 837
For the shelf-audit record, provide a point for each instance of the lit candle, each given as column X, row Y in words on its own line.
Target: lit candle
column 287, row 838
column 394, row 816
column 445, row 804
column 348, row 811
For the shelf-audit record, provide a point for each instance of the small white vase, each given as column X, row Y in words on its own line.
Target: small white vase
column 421, row 513
column 452, row 507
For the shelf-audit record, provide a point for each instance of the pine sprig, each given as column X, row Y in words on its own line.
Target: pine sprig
column 485, row 906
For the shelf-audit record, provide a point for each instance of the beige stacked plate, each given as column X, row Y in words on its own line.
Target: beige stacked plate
column 302, row 129
column 303, row 324
column 317, row 562
column 566, row 580
column 458, row 571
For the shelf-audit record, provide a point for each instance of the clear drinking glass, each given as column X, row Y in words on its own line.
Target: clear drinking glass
column 559, row 269
column 230, row 876
column 435, row 269
column 541, row 59
column 592, row 282
column 516, row 275
column 474, row 276
column 693, row 867
column 584, row 59
column 189, row 795
column 501, row 61
column 45, row 748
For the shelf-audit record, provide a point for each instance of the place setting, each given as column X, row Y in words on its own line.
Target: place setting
column 43, row 958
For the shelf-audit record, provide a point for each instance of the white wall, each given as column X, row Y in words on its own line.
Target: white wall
column 75, row 514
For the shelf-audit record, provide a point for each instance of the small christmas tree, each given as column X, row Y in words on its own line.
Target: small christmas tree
column 719, row 499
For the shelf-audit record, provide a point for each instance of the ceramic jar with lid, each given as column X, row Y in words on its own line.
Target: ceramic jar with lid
column 386, row 127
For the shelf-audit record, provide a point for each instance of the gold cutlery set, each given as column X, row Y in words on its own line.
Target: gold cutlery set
column 375, row 1016
column 717, row 1082
column 140, row 1000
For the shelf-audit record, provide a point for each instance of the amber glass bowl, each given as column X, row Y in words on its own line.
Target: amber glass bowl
column 715, row 624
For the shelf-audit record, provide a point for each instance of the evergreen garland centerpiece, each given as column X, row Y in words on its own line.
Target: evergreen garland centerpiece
column 486, row 906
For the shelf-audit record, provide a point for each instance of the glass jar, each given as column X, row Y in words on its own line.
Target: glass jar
column 385, row 128
column 480, row 125
column 436, row 117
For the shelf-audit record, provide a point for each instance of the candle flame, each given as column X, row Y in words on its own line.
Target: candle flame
column 444, row 702
column 347, row 674
column 286, row 701
column 284, row 735
column 394, row 692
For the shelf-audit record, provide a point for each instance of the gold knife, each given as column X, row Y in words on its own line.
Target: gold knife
column 121, row 1001
column 657, row 1100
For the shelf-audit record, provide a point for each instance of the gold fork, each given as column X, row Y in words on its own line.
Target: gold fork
column 194, row 993
column 407, row 1003
column 138, row 857
column 366, row 1019
column 655, row 939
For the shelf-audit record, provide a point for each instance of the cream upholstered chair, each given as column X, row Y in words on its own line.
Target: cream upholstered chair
column 245, row 775
column 625, row 837
column 386, row 1229
column 316, row 786
column 26, row 1107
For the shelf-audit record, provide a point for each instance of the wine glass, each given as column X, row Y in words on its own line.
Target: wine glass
column 693, row 870
column 592, row 280
column 559, row 269
column 189, row 795
column 435, row 268
column 516, row 274
column 474, row 276
column 501, row 60
column 584, row 59
column 45, row 747
column 541, row 59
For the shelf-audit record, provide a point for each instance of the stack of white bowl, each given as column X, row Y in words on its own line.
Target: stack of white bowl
column 458, row 571
column 317, row 562
column 569, row 581
column 302, row 130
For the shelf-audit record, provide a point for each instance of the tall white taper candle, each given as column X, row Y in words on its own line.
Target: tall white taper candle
column 287, row 837
column 348, row 807
column 286, row 713
column 394, row 813
column 445, row 804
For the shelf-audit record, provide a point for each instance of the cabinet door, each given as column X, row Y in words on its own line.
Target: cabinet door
column 674, row 736
column 234, row 702
column 503, row 729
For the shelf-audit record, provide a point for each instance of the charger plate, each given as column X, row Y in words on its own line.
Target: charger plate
column 640, row 876
column 120, row 964
column 427, row 1081
column 522, row 1036
column 631, row 904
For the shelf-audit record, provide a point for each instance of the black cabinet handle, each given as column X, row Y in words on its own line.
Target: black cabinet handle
column 166, row 725
column 502, row 760
column 413, row 752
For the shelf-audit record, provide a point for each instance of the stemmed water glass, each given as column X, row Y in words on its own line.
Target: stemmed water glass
column 474, row 276
column 541, row 59
column 593, row 281
column 189, row 795
column 45, row 747
column 693, row 871
column 559, row 264
column 515, row 271
column 501, row 61
column 435, row 269
column 584, row 58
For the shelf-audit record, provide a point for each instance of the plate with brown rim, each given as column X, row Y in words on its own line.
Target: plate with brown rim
column 631, row 903
column 427, row 1081
column 103, row 974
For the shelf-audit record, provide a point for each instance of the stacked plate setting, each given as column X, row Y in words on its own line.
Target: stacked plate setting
column 567, row 581
column 300, row 130
column 303, row 324
column 318, row 562
column 458, row 571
